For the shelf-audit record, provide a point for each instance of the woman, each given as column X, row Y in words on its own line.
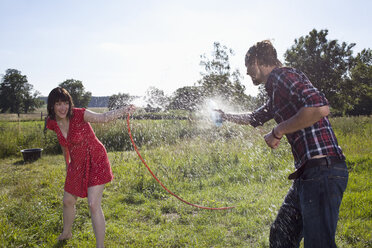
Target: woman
column 87, row 165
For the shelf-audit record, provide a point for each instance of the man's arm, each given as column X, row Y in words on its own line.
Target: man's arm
column 257, row 118
column 243, row 119
column 304, row 118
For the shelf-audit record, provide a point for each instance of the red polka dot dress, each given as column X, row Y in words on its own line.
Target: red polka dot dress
column 89, row 164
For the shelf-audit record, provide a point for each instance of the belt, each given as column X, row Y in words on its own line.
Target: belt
column 315, row 162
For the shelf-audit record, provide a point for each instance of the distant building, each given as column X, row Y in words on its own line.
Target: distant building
column 99, row 102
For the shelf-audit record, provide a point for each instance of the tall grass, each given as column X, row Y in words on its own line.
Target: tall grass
column 148, row 133
column 228, row 166
column 354, row 134
column 15, row 136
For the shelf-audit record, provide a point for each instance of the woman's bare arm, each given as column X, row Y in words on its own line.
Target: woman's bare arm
column 90, row 116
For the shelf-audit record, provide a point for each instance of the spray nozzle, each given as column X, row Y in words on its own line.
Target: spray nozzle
column 216, row 118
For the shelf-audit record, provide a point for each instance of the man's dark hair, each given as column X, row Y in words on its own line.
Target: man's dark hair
column 58, row 94
column 265, row 54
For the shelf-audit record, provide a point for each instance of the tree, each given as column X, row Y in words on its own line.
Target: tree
column 262, row 97
column 217, row 80
column 16, row 93
column 80, row 97
column 119, row 100
column 186, row 98
column 326, row 63
column 360, row 84
column 32, row 101
column 156, row 98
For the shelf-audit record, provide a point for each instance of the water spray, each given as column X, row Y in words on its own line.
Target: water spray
column 162, row 185
column 140, row 102
column 213, row 114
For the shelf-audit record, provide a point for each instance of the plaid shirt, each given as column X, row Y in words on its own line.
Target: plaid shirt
column 289, row 90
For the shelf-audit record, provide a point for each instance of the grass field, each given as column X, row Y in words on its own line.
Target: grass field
column 215, row 167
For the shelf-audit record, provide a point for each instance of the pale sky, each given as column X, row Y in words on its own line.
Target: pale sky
column 122, row 46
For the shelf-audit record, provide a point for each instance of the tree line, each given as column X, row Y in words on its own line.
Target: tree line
column 346, row 80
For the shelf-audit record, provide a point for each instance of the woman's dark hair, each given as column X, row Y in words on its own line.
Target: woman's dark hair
column 265, row 54
column 59, row 94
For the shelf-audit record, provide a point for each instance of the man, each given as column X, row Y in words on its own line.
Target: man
column 310, row 209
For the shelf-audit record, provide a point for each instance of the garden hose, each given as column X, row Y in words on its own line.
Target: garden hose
column 153, row 175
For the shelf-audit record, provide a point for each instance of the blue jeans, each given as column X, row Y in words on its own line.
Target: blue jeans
column 310, row 209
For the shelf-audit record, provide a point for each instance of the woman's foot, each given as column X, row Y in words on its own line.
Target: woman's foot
column 65, row 236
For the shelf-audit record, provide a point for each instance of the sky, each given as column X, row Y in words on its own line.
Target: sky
column 120, row 46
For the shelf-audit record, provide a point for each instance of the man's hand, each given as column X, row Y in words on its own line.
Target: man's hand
column 272, row 141
column 243, row 119
column 223, row 115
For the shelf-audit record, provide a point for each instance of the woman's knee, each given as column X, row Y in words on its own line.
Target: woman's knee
column 94, row 205
column 94, row 198
column 69, row 201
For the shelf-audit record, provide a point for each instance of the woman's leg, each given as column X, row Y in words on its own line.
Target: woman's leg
column 69, row 202
column 98, row 220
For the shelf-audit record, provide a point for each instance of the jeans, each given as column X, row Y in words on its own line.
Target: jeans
column 310, row 209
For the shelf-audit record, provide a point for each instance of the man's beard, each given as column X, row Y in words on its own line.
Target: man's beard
column 256, row 82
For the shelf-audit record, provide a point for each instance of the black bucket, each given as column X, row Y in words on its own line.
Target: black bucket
column 30, row 155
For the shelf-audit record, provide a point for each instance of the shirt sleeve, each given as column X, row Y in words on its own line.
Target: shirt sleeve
column 301, row 90
column 262, row 115
column 79, row 114
column 50, row 124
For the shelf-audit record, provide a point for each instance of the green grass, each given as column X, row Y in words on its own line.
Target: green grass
column 229, row 166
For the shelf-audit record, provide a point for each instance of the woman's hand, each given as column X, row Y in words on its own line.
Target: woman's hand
column 130, row 109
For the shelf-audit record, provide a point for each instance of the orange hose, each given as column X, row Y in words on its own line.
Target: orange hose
column 153, row 175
